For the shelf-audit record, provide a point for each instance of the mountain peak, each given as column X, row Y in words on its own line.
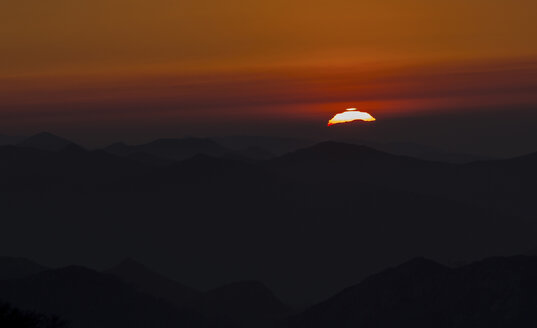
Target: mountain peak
column 46, row 141
column 332, row 150
column 45, row 134
column 174, row 149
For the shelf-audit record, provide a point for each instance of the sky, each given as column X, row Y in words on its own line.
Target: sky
column 457, row 74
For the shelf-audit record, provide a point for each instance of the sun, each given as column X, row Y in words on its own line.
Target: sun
column 349, row 115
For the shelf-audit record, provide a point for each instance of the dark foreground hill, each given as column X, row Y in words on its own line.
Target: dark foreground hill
column 11, row 317
column 131, row 295
column 86, row 298
column 496, row 292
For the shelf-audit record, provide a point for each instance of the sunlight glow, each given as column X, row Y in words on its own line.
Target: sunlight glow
column 351, row 114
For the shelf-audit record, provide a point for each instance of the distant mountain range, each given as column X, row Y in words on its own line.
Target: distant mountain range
column 162, row 151
column 173, row 149
column 306, row 223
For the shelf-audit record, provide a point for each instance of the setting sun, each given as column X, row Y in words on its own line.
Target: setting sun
column 351, row 114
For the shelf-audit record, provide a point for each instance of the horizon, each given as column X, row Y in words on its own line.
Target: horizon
column 505, row 147
column 274, row 68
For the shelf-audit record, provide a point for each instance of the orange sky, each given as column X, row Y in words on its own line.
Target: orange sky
column 106, row 34
column 69, row 63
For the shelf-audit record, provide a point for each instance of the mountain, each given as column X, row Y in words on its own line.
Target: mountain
column 172, row 149
column 426, row 152
column 27, row 168
column 119, row 148
column 145, row 280
column 335, row 151
column 307, row 223
column 13, row 158
column 18, row 267
column 45, row 141
column 245, row 303
column 495, row 292
column 255, row 153
column 508, row 184
column 248, row 303
column 86, row 298
column 148, row 159
column 524, row 163
column 274, row 145
column 336, row 161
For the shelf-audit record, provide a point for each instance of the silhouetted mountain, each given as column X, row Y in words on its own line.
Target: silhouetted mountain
column 87, row 298
column 17, row 267
column 45, row 141
column 491, row 183
column 148, row 159
column 119, row 148
column 248, row 303
column 293, row 222
column 274, row 145
column 335, row 151
column 28, row 168
column 153, row 283
column 257, row 153
column 244, row 303
column 523, row 162
column 174, row 149
column 335, row 161
column 496, row 292
column 211, row 166
column 425, row 152
column 14, row 158
column 72, row 149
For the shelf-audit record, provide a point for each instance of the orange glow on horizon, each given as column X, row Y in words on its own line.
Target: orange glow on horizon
column 351, row 114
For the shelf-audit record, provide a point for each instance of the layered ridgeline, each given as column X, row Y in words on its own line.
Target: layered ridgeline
column 494, row 292
column 307, row 223
column 245, row 147
column 132, row 295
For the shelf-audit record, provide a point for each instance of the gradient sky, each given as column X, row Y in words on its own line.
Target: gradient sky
column 133, row 70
